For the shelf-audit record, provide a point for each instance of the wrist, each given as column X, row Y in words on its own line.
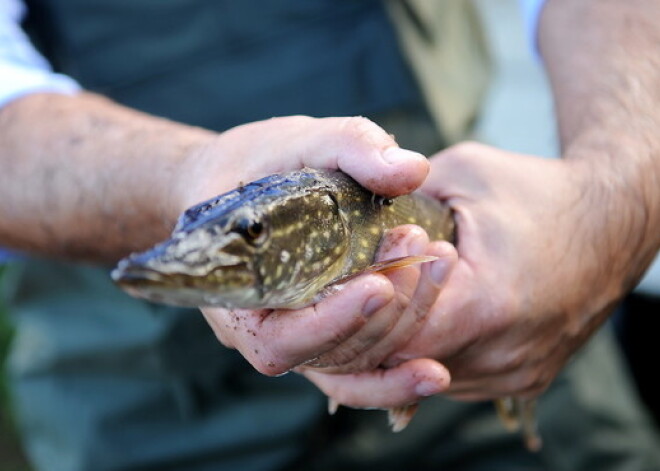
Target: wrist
column 208, row 167
column 188, row 174
column 617, row 208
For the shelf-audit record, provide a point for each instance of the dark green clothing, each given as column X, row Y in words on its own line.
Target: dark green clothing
column 223, row 63
column 104, row 382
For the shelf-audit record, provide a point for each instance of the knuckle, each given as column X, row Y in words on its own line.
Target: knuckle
column 357, row 124
column 403, row 301
column 335, row 337
column 322, row 333
column 420, row 308
column 359, row 127
column 336, row 334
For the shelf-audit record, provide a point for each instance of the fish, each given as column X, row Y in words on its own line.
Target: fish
column 277, row 242
column 285, row 241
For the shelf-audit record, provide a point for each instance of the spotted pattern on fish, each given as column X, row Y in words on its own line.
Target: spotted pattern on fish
column 275, row 242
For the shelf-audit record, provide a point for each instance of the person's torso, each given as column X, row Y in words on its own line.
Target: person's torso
column 223, row 63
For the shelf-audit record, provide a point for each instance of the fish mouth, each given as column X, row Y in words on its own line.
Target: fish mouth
column 130, row 274
column 153, row 275
column 185, row 289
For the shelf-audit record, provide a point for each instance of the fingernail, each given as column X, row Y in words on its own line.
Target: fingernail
column 373, row 304
column 417, row 245
column 439, row 271
column 395, row 155
column 427, row 388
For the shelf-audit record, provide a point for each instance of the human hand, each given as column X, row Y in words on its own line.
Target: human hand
column 535, row 276
column 536, row 273
column 245, row 153
column 350, row 373
column 365, row 310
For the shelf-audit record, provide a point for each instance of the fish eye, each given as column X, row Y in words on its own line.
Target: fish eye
column 249, row 229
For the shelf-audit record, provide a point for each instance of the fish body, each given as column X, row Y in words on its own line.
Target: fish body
column 281, row 242
column 277, row 242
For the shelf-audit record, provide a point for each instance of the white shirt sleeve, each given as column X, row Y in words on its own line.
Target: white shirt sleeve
column 531, row 11
column 22, row 69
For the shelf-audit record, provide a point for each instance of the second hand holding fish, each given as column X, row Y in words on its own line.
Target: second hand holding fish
column 282, row 240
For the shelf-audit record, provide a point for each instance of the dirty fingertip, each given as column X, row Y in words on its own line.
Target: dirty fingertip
column 403, row 172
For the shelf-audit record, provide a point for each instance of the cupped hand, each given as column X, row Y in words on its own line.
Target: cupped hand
column 353, row 322
column 533, row 278
column 536, row 275
column 351, row 373
column 355, row 145
column 390, row 328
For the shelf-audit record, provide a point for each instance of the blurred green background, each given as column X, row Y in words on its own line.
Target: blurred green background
column 11, row 457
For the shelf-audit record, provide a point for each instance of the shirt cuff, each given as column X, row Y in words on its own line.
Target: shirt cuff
column 18, row 80
column 531, row 12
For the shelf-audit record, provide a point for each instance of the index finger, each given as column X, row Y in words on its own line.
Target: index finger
column 275, row 341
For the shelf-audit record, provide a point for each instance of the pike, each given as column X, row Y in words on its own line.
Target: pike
column 284, row 242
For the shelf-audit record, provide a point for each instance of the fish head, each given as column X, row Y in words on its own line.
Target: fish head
column 254, row 256
column 209, row 264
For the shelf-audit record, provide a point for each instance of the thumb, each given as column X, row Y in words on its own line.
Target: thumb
column 358, row 147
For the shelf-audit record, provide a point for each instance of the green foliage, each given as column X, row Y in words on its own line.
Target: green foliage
column 5, row 338
column 11, row 458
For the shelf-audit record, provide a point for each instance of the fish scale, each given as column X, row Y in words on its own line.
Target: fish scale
column 282, row 242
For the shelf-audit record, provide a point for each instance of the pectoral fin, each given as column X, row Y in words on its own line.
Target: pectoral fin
column 520, row 414
column 508, row 413
column 399, row 417
column 392, row 264
column 333, row 405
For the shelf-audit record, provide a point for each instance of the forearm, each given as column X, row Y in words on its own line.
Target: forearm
column 85, row 178
column 603, row 63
